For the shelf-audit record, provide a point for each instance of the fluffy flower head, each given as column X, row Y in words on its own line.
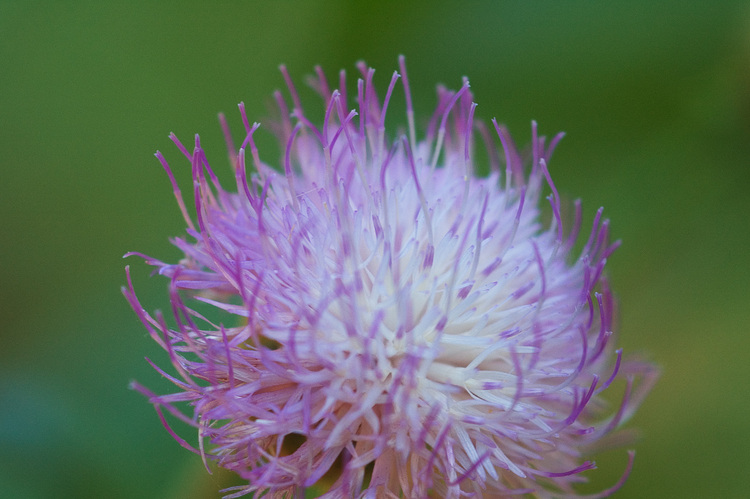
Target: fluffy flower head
column 393, row 325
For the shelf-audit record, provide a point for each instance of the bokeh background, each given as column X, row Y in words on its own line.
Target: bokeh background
column 655, row 100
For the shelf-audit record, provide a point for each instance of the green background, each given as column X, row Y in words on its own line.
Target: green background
column 655, row 100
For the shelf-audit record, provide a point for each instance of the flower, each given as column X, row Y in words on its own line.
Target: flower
column 392, row 324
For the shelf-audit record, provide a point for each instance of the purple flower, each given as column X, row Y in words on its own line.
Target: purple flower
column 391, row 324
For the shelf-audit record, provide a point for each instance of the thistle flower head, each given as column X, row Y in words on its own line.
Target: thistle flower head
column 393, row 325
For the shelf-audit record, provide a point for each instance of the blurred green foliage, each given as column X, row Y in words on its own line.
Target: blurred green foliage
column 655, row 100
